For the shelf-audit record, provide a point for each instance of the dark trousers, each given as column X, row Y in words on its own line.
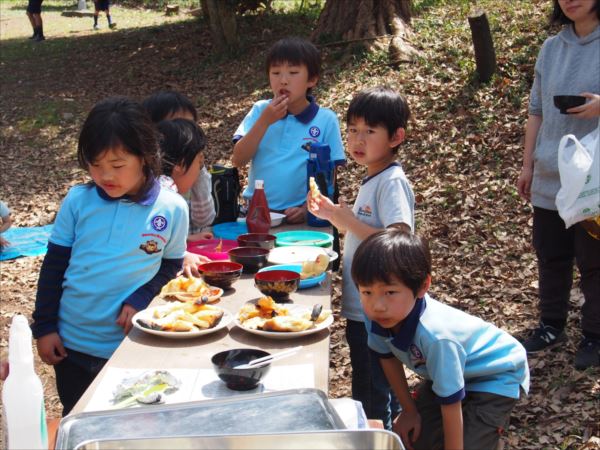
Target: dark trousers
column 485, row 417
column 556, row 249
column 73, row 376
column 369, row 384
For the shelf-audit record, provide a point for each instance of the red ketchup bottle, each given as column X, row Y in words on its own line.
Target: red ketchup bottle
column 259, row 217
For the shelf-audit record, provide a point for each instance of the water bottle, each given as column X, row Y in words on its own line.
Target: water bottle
column 22, row 393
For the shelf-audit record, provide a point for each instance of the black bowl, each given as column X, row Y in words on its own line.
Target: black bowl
column 240, row 379
column 220, row 273
column 564, row 102
column 278, row 284
column 257, row 240
column 252, row 258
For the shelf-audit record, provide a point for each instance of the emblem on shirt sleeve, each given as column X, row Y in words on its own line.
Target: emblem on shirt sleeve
column 159, row 223
column 416, row 356
column 150, row 247
column 314, row 131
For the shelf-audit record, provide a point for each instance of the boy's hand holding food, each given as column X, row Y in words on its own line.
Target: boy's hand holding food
column 275, row 110
column 323, row 208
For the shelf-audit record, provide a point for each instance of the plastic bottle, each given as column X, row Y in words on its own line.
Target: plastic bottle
column 22, row 393
column 259, row 216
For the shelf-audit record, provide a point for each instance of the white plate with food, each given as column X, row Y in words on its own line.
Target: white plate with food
column 182, row 320
column 298, row 254
column 264, row 317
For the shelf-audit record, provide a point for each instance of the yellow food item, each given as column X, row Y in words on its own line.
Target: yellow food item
column 314, row 268
column 314, row 188
column 185, row 317
column 287, row 324
column 185, row 289
column 219, row 246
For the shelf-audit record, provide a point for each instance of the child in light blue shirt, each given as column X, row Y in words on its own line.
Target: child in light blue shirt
column 115, row 242
column 474, row 372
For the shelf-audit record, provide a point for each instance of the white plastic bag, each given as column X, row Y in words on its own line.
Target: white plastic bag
column 579, row 167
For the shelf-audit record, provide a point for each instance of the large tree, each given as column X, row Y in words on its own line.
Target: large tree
column 376, row 23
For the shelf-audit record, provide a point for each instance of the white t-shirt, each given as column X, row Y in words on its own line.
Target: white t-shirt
column 384, row 199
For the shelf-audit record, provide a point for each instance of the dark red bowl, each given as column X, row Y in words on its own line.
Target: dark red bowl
column 257, row 240
column 278, row 284
column 221, row 273
column 252, row 258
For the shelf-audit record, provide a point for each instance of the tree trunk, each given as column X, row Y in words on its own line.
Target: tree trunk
column 374, row 23
column 485, row 56
column 223, row 24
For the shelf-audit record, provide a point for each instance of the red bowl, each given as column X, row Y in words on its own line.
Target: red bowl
column 278, row 284
column 221, row 273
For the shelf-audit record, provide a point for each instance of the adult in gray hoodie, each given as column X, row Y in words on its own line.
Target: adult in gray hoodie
column 568, row 63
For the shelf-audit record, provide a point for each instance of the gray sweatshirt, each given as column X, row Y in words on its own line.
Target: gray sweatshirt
column 566, row 65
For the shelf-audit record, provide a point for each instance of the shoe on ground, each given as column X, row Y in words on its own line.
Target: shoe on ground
column 112, row 26
column 33, row 36
column 588, row 354
column 96, row 27
column 39, row 38
column 543, row 337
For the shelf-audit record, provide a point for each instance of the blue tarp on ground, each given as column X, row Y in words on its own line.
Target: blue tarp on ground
column 27, row 241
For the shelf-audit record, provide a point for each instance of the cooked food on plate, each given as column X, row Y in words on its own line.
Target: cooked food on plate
column 149, row 388
column 267, row 315
column 314, row 268
column 182, row 317
column 189, row 289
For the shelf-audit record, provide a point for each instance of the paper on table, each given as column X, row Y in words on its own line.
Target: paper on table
column 103, row 395
column 297, row 376
column 203, row 384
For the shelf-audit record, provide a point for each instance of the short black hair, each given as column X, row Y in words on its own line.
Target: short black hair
column 296, row 51
column 380, row 105
column 558, row 17
column 120, row 122
column 161, row 104
column 392, row 254
column 180, row 142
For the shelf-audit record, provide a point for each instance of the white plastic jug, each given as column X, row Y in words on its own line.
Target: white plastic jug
column 22, row 393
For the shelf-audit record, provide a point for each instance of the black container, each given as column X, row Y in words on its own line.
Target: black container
column 240, row 379
column 564, row 102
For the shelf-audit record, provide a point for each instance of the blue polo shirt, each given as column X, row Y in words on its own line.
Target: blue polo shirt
column 116, row 247
column 455, row 350
column 280, row 160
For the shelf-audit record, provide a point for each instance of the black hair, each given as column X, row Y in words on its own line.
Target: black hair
column 180, row 142
column 296, row 51
column 380, row 105
column 392, row 254
column 558, row 17
column 118, row 122
column 161, row 104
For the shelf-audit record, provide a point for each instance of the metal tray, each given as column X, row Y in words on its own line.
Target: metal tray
column 293, row 410
column 322, row 440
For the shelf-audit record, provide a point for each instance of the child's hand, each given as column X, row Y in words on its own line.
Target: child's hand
column 323, row 208
column 297, row 214
column 124, row 319
column 275, row 110
column 524, row 183
column 408, row 426
column 50, row 349
column 588, row 110
column 200, row 236
column 191, row 261
column 4, row 369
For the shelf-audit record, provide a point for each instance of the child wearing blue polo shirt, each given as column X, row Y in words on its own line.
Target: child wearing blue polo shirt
column 115, row 242
column 273, row 132
column 376, row 122
column 473, row 371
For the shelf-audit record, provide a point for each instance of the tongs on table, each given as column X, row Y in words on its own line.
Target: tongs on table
column 268, row 359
